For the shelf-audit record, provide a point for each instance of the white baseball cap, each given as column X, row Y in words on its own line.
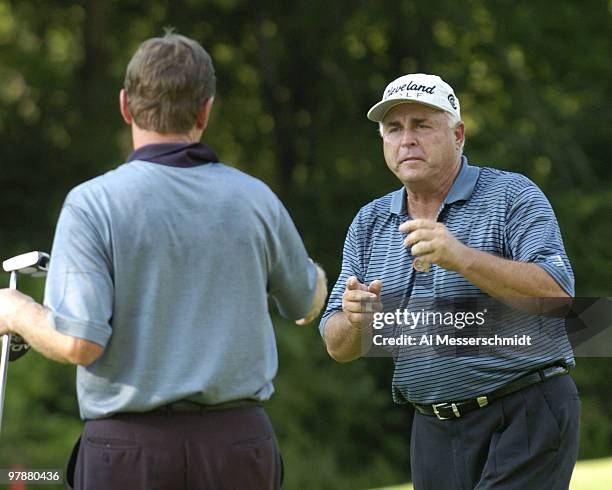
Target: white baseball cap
column 418, row 88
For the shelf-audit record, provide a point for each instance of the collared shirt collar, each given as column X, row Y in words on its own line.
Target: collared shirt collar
column 175, row 154
column 461, row 190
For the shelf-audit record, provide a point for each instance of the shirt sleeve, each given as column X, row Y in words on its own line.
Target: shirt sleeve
column 79, row 288
column 532, row 235
column 351, row 266
column 292, row 277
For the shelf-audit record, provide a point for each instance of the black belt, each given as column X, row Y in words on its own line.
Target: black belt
column 450, row 410
column 188, row 406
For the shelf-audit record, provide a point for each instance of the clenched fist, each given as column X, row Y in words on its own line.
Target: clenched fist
column 431, row 242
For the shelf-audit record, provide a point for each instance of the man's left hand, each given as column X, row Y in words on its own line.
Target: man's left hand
column 432, row 242
column 11, row 301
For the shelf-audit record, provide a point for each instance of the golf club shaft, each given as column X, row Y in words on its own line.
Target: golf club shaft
column 6, row 345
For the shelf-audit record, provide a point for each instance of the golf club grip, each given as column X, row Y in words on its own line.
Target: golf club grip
column 17, row 348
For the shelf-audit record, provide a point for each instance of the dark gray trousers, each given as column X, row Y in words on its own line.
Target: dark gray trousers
column 527, row 440
column 231, row 449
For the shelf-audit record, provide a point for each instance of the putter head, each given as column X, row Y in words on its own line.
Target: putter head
column 34, row 264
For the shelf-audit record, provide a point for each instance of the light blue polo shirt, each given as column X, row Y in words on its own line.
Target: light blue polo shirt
column 168, row 262
column 499, row 212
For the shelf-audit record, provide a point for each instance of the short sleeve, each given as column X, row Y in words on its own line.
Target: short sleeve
column 532, row 235
column 79, row 287
column 292, row 277
column 351, row 266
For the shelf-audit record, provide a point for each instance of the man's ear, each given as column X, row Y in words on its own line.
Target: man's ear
column 459, row 132
column 204, row 114
column 123, row 107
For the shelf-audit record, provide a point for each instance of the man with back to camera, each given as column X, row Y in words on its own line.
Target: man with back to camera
column 158, row 289
column 452, row 231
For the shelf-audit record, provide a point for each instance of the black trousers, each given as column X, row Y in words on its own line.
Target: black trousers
column 231, row 449
column 527, row 440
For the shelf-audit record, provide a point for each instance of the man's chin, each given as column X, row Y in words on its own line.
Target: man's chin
column 411, row 176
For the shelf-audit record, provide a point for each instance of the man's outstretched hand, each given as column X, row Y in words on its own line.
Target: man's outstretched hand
column 360, row 301
column 318, row 300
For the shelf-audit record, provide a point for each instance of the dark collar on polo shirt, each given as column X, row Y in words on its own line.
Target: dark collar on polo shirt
column 175, row 154
column 461, row 190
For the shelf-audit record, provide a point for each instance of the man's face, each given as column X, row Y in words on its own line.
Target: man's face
column 419, row 146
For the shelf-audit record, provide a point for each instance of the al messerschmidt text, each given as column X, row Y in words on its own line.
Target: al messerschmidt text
column 450, row 340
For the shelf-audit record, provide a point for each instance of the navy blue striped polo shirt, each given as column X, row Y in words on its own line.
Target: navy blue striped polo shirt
column 499, row 212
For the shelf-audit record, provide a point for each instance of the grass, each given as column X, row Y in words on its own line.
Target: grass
column 591, row 474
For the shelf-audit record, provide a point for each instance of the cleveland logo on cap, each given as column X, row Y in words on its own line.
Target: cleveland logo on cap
column 409, row 86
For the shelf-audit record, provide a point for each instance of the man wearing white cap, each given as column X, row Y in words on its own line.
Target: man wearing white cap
column 487, row 419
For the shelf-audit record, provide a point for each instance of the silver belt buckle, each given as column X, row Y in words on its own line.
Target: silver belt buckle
column 482, row 401
column 452, row 405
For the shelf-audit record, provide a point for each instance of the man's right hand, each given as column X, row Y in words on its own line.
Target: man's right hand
column 318, row 301
column 360, row 301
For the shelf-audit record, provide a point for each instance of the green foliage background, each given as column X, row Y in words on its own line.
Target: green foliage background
column 295, row 80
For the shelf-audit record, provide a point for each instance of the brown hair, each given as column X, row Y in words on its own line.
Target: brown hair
column 167, row 81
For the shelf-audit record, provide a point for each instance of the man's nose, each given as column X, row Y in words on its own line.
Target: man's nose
column 408, row 137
